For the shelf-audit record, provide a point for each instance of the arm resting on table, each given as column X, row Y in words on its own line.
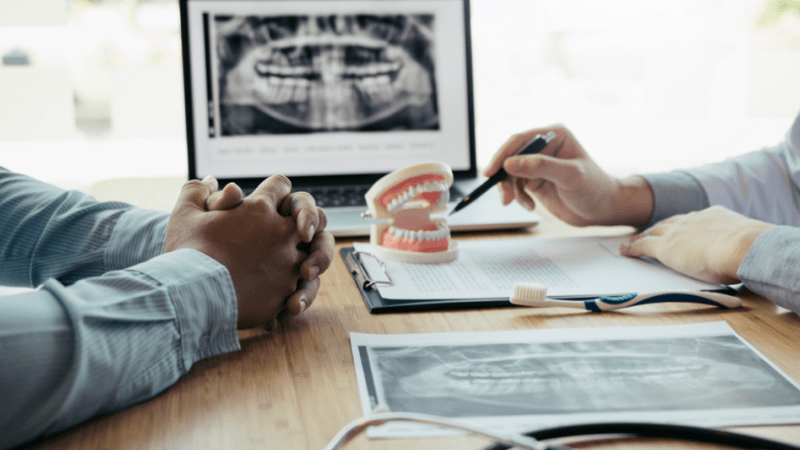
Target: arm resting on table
column 108, row 342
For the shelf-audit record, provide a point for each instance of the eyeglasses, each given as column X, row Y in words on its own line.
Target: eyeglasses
column 529, row 441
column 356, row 427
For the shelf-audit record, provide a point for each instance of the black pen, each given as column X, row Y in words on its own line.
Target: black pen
column 533, row 146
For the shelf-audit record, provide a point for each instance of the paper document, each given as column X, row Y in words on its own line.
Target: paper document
column 699, row 374
column 488, row 268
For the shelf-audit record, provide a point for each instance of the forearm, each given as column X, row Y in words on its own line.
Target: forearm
column 643, row 200
column 633, row 202
column 108, row 342
column 46, row 232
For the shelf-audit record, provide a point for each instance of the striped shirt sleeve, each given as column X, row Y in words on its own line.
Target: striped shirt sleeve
column 47, row 232
column 114, row 321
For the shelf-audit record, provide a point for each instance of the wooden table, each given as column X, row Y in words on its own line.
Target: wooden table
column 295, row 388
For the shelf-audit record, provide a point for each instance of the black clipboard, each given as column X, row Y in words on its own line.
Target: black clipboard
column 379, row 305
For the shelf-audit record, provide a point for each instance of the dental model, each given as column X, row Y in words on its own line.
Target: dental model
column 403, row 202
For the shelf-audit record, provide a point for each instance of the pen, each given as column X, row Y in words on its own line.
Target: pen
column 533, row 146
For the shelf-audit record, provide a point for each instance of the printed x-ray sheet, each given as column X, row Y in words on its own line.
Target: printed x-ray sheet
column 700, row 374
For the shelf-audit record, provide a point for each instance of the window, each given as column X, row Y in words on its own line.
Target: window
column 92, row 89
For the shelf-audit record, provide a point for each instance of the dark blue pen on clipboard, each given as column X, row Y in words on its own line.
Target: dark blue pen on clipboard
column 533, row 146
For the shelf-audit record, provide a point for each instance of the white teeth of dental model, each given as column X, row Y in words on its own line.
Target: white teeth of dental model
column 397, row 203
column 421, row 235
column 411, row 205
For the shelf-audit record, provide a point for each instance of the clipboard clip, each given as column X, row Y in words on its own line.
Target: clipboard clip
column 362, row 274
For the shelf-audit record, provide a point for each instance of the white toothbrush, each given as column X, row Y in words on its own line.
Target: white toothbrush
column 527, row 294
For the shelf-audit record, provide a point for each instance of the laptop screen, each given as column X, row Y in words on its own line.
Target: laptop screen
column 326, row 87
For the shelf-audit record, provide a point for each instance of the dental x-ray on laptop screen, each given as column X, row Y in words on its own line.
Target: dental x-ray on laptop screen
column 334, row 94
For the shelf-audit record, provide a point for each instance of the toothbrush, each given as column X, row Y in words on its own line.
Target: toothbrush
column 526, row 294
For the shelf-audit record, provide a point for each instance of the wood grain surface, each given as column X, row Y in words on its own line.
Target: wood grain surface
column 296, row 387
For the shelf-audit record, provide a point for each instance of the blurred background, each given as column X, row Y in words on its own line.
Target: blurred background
column 92, row 89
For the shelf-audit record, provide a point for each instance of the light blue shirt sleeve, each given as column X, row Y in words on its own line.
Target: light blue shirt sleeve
column 114, row 321
column 47, row 232
column 764, row 185
column 772, row 266
column 674, row 193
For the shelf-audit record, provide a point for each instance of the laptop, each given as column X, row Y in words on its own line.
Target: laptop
column 334, row 94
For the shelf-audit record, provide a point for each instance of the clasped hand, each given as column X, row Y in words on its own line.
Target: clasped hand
column 272, row 242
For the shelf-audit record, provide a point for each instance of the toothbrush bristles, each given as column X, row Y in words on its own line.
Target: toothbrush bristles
column 528, row 294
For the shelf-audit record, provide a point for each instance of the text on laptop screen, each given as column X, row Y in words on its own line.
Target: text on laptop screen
column 326, row 87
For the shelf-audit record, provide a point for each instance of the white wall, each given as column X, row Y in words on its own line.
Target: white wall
column 644, row 85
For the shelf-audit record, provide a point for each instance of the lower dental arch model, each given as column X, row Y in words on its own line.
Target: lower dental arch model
column 403, row 202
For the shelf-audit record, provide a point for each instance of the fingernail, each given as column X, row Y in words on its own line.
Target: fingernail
column 212, row 181
column 303, row 306
column 311, row 230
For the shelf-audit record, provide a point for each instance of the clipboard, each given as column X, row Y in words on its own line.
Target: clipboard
column 376, row 304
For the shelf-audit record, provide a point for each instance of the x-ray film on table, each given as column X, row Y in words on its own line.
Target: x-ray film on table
column 700, row 374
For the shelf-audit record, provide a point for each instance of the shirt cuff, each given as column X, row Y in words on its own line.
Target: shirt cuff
column 205, row 301
column 675, row 193
column 770, row 266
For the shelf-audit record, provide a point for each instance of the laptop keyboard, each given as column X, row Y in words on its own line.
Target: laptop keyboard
column 329, row 196
column 352, row 195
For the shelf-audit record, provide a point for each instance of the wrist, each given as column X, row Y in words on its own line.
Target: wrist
column 633, row 202
column 739, row 245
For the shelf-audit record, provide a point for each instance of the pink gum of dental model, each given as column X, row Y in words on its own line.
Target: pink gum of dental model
column 403, row 202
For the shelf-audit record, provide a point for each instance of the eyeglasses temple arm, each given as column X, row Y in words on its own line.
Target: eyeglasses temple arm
column 354, row 428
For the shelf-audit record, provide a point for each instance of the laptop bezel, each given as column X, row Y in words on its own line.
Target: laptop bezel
column 322, row 180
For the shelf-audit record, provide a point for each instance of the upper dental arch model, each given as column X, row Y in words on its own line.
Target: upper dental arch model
column 403, row 202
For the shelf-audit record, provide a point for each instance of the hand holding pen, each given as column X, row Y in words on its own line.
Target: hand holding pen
column 569, row 183
column 533, row 146
column 573, row 187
